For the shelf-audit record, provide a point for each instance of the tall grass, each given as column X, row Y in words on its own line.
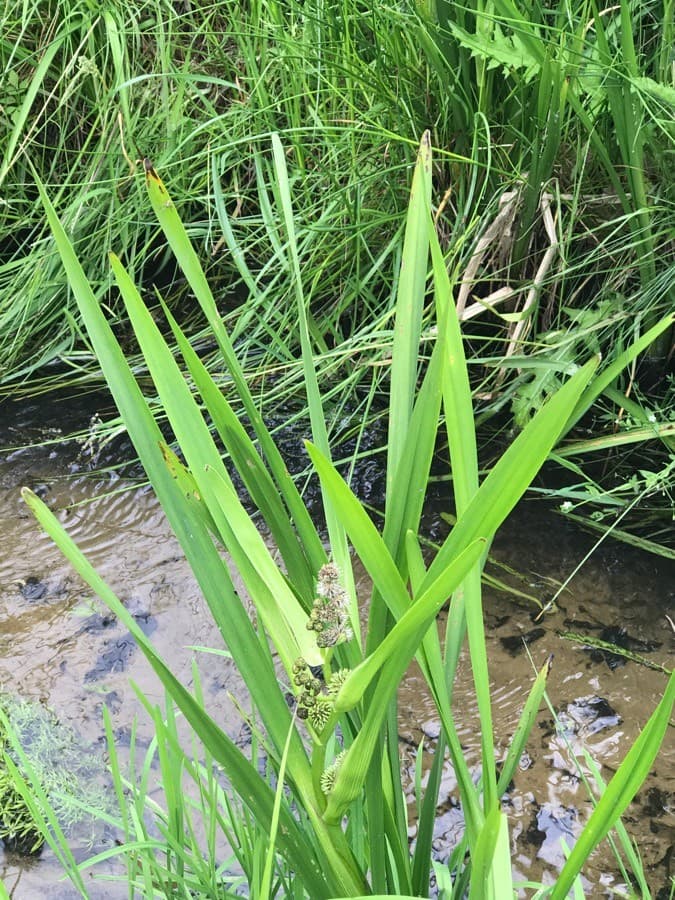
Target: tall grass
column 333, row 821
column 546, row 99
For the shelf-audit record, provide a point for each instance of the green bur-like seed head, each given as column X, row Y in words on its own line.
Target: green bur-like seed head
column 320, row 713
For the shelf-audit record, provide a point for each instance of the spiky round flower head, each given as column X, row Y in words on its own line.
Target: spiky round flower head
column 314, row 621
column 319, row 714
column 301, row 673
column 329, row 637
column 328, row 574
column 328, row 584
column 336, row 680
column 329, row 775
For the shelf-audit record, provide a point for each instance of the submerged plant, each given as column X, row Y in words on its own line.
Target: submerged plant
column 330, row 812
column 18, row 829
column 35, row 746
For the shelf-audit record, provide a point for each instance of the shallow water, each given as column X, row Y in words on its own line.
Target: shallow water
column 602, row 701
column 60, row 647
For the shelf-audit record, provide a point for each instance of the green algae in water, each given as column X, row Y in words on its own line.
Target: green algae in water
column 72, row 777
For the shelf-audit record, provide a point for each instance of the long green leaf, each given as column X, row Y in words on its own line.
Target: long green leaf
column 402, row 641
column 482, row 859
column 301, row 557
column 23, row 115
column 409, row 306
column 336, row 534
column 365, row 538
column 606, row 377
column 457, row 399
column 187, row 259
column 466, row 613
column 277, row 605
column 522, row 732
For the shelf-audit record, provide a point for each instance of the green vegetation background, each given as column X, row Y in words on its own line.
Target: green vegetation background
column 552, row 129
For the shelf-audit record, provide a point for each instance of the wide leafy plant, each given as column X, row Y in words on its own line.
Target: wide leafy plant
column 335, row 815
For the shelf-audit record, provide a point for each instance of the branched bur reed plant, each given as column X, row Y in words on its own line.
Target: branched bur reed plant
column 329, row 818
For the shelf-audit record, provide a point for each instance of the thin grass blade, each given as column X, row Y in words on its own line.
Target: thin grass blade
column 524, row 728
